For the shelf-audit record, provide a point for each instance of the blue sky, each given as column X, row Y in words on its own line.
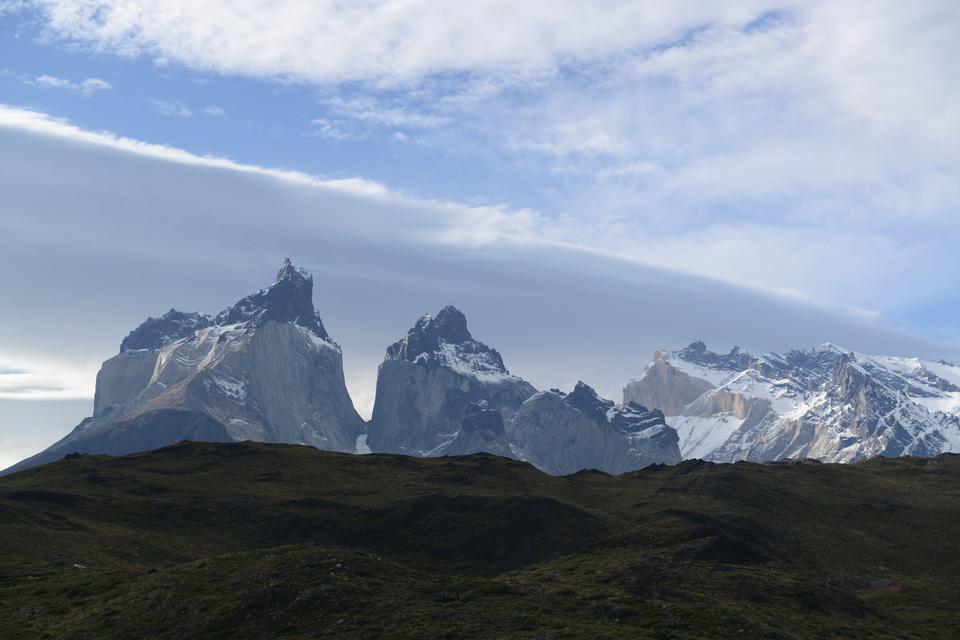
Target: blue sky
column 264, row 121
column 793, row 155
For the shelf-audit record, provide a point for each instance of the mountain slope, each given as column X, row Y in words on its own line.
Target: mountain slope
column 249, row 540
column 826, row 403
column 264, row 369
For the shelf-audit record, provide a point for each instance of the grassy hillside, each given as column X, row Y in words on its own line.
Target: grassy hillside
column 253, row 541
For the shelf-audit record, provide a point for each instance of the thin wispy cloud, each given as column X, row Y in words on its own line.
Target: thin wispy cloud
column 325, row 128
column 45, row 379
column 41, row 123
column 367, row 109
column 9, row 371
column 386, row 43
column 170, row 109
column 86, row 87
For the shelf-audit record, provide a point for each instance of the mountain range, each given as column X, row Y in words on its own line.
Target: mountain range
column 827, row 403
column 265, row 369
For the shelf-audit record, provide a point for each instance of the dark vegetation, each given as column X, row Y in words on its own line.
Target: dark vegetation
column 278, row 541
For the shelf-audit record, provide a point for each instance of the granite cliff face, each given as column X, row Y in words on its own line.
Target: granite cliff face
column 433, row 379
column 482, row 430
column 263, row 369
column 123, row 376
column 826, row 403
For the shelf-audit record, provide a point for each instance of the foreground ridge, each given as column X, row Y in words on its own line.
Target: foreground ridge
column 252, row 540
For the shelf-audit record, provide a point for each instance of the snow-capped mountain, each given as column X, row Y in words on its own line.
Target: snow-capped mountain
column 827, row 403
column 564, row 432
column 263, row 369
column 432, row 379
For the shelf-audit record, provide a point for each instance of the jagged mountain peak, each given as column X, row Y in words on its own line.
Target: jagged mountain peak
column 698, row 353
column 155, row 333
column 586, row 399
column 451, row 325
column 289, row 271
column 695, row 347
column 444, row 340
column 288, row 299
column 441, row 391
column 629, row 417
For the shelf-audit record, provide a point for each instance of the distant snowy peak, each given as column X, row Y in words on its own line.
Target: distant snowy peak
column 826, row 402
column 445, row 341
column 288, row 299
column 156, row 333
column 802, row 370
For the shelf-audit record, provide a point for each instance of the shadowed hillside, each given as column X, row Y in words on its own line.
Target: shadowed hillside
column 255, row 540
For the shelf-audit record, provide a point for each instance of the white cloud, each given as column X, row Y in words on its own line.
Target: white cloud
column 324, row 128
column 214, row 111
column 37, row 122
column 170, row 109
column 819, row 264
column 387, row 42
column 640, row 122
column 883, row 62
column 87, row 87
column 13, row 6
column 367, row 109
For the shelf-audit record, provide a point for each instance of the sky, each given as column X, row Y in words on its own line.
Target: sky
column 588, row 181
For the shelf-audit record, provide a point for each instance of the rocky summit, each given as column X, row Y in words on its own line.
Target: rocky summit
column 434, row 378
column 828, row 403
column 264, row 369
